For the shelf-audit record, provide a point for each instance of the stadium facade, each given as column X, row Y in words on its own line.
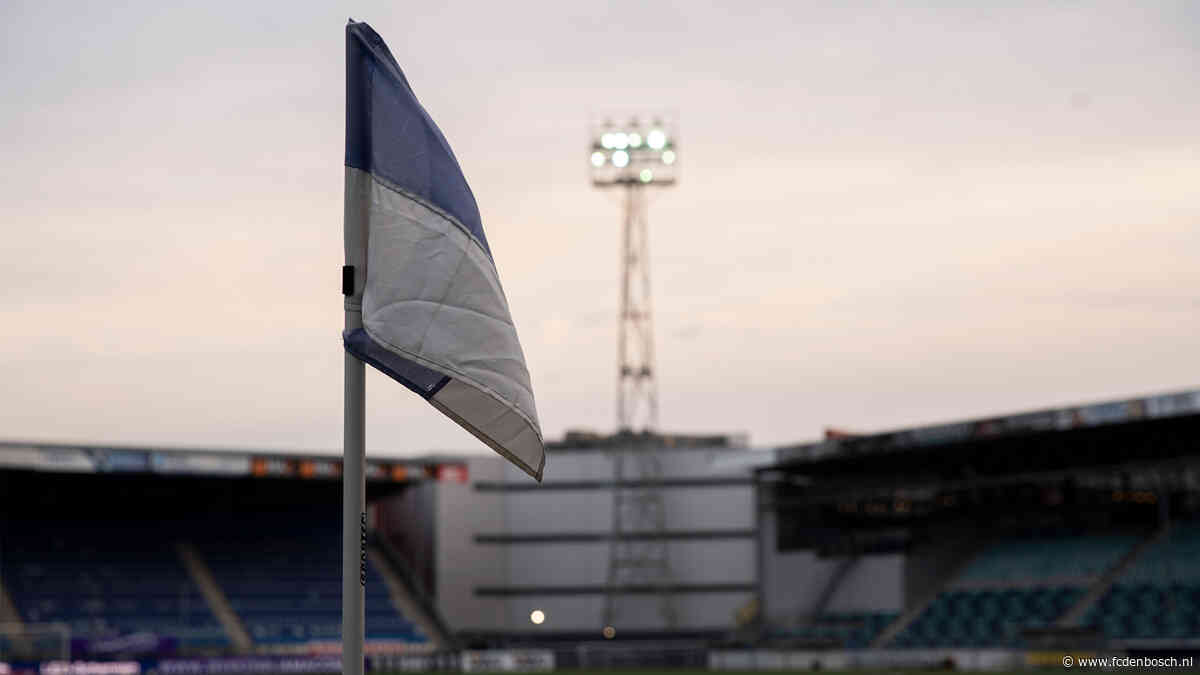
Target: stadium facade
column 1004, row 535
column 1054, row 528
column 507, row 548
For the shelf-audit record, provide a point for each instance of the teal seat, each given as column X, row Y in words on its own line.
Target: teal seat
column 1159, row 595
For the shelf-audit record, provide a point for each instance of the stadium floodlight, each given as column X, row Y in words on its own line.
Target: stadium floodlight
column 621, row 153
column 644, row 154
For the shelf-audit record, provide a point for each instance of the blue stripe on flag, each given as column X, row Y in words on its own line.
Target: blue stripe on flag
column 389, row 134
column 421, row 380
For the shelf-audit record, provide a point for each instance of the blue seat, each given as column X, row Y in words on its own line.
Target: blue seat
column 1159, row 595
column 280, row 571
column 286, row 584
column 101, row 579
column 986, row 618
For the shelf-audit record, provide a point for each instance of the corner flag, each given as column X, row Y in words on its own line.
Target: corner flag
column 434, row 316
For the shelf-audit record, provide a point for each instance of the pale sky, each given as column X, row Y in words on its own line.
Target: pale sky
column 889, row 213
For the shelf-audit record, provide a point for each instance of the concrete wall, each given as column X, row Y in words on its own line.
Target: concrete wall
column 463, row 565
column 794, row 581
column 408, row 520
column 572, row 465
column 695, row 611
column 582, row 511
column 929, row 565
column 874, row 584
column 717, row 561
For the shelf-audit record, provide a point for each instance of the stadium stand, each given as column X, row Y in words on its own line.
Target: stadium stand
column 986, row 617
column 104, row 579
column 285, row 583
column 1014, row 585
column 137, row 565
column 1032, row 532
column 281, row 574
column 1046, row 560
column 1159, row 595
column 1040, row 531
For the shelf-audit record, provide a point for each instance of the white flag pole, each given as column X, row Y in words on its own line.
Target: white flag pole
column 354, row 510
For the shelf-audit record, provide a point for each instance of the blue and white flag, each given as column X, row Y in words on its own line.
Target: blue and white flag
column 434, row 315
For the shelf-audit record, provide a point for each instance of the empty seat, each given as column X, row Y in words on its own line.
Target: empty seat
column 1158, row 597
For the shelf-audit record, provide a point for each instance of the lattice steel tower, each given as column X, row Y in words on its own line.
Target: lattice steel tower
column 636, row 157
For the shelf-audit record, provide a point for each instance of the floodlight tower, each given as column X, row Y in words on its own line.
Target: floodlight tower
column 635, row 157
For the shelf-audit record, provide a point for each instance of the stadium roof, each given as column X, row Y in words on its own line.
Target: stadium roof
column 580, row 440
column 106, row 459
column 841, row 445
column 109, row 459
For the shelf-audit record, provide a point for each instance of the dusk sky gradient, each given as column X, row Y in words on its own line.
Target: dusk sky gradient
column 889, row 214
